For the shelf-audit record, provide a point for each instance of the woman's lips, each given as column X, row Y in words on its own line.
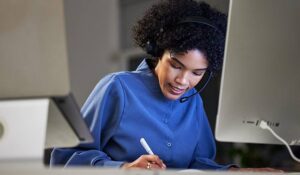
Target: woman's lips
column 176, row 91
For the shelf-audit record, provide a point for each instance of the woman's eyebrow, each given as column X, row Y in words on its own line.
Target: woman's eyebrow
column 175, row 59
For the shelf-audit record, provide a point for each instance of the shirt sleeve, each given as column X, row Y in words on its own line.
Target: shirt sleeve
column 102, row 112
column 205, row 151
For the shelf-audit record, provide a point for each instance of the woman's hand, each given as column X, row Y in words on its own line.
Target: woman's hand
column 146, row 162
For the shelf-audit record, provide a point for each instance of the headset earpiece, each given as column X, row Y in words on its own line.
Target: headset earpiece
column 149, row 47
column 152, row 49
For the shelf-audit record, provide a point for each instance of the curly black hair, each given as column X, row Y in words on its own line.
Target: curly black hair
column 161, row 29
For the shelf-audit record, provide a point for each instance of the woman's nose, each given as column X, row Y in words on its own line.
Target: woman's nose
column 182, row 79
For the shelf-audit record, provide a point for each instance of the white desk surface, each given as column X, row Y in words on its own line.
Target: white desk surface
column 23, row 168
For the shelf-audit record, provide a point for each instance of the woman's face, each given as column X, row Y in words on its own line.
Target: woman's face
column 179, row 72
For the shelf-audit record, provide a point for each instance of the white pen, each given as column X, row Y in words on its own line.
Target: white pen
column 149, row 151
column 146, row 146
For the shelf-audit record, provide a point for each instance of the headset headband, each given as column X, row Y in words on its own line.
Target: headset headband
column 199, row 20
column 151, row 47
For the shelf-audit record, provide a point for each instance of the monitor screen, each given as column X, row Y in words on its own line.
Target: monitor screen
column 34, row 65
column 261, row 74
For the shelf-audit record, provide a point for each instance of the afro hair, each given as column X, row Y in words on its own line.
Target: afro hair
column 161, row 29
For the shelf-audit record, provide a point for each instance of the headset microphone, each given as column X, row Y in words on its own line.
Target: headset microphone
column 184, row 99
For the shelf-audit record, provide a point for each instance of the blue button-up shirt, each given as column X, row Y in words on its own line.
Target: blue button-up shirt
column 127, row 106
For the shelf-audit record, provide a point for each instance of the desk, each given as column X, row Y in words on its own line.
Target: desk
column 23, row 168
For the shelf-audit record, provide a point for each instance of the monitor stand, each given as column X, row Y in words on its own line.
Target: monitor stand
column 28, row 126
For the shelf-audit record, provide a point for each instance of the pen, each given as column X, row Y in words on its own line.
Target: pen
column 146, row 146
column 149, row 151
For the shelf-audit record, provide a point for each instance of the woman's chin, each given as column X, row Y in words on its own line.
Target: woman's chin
column 171, row 96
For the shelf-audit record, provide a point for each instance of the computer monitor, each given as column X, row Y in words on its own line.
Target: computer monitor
column 34, row 65
column 261, row 73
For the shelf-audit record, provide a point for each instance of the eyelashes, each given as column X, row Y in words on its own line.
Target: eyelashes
column 175, row 66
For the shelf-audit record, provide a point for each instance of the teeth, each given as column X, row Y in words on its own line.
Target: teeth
column 176, row 88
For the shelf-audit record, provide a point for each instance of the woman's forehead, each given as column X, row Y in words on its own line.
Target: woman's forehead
column 192, row 59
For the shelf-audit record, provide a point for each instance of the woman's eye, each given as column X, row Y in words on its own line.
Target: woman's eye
column 198, row 73
column 175, row 66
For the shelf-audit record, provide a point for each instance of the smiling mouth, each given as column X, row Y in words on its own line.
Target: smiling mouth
column 176, row 91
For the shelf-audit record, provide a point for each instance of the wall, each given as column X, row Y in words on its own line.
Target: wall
column 92, row 29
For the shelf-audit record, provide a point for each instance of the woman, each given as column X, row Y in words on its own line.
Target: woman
column 186, row 40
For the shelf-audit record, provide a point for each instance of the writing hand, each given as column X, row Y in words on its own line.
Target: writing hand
column 146, row 162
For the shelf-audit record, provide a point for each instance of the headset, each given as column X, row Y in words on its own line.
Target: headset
column 152, row 49
column 151, row 46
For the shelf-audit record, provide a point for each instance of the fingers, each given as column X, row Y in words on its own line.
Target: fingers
column 155, row 161
column 146, row 162
column 155, row 166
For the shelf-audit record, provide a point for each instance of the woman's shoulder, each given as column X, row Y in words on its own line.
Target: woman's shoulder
column 123, row 77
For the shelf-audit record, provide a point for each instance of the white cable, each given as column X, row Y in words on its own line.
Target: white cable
column 263, row 124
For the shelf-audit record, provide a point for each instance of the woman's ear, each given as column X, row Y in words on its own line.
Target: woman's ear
column 152, row 49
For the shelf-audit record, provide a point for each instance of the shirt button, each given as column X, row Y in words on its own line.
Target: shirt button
column 169, row 144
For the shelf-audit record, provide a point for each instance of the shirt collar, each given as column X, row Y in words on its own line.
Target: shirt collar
column 150, row 79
